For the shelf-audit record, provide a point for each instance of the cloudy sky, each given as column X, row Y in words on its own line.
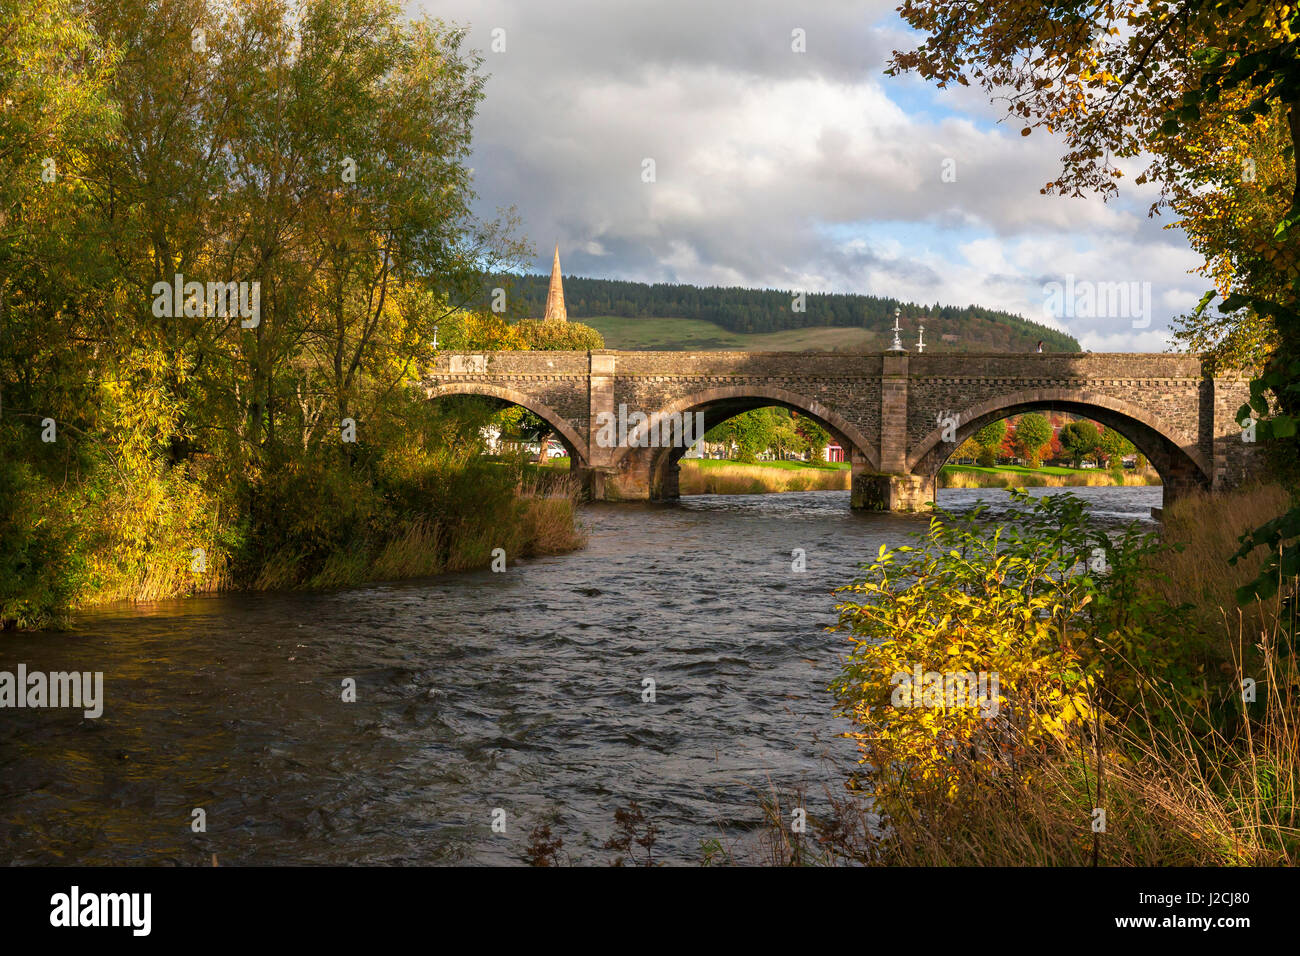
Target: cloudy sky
column 791, row 170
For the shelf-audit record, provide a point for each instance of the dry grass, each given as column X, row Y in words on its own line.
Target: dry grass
column 1209, row 526
column 1097, row 479
column 278, row 572
column 1173, row 797
column 341, row 569
column 171, row 574
column 415, row 554
column 147, row 540
column 550, row 526
column 1173, row 793
column 544, row 522
column 736, row 479
column 757, row 479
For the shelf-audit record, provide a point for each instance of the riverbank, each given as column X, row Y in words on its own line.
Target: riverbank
column 706, row 476
column 1140, row 674
column 1048, row 476
column 321, row 527
column 538, row 520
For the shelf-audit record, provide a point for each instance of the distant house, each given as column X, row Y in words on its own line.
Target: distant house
column 834, row 452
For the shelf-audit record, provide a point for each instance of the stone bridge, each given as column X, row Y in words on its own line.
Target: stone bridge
column 898, row 416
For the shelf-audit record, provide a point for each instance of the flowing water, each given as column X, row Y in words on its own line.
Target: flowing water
column 520, row 690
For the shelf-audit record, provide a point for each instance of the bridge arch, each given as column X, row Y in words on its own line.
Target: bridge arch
column 719, row 404
column 1180, row 463
column 573, row 443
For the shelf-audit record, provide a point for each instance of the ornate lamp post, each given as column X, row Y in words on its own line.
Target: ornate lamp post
column 898, row 343
column 920, row 342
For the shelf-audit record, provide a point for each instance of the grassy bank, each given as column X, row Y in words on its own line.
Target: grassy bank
column 538, row 520
column 707, row 476
column 1018, row 476
column 1205, row 528
column 315, row 524
column 1120, row 690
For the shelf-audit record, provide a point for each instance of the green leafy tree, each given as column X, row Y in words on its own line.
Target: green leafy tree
column 557, row 336
column 1113, row 447
column 1079, row 440
column 751, row 432
column 1202, row 87
column 969, row 449
column 816, row 437
column 786, row 436
column 1033, row 431
column 990, row 439
column 315, row 151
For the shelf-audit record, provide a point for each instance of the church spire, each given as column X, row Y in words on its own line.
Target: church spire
column 555, row 310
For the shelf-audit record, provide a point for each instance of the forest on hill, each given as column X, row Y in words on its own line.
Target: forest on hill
column 968, row 328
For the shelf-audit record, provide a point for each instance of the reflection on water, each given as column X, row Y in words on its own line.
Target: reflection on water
column 475, row 691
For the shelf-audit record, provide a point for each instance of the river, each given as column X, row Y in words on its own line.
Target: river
column 520, row 690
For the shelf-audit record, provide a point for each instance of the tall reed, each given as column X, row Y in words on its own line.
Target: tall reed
column 738, row 479
column 1094, row 479
column 1208, row 527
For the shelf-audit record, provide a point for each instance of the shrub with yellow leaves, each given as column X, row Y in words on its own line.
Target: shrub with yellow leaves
column 1025, row 614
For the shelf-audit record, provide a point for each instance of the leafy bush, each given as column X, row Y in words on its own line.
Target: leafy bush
column 990, row 438
column 1052, row 605
column 1033, row 431
column 556, row 336
column 40, row 570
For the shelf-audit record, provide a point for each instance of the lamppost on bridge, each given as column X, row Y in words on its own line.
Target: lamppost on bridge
column 435, row 338
column 920, row 341
column 898, row 343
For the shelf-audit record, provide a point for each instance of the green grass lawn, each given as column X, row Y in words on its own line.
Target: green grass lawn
column 555, row 464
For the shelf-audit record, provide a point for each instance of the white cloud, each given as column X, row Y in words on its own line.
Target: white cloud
column 788, row 170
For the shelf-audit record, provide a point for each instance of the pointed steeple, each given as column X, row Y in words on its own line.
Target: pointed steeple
column 555, row 310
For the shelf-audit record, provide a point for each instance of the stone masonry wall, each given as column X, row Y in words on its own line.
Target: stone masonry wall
column 1165, row 386
column 908, row 392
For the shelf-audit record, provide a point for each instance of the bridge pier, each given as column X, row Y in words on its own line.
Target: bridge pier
column 1177, row 484
column 591, row 481
column 640, row 475
column 871, row 491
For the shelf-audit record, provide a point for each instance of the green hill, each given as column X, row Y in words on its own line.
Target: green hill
column 638, row 315
column 675, row 334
